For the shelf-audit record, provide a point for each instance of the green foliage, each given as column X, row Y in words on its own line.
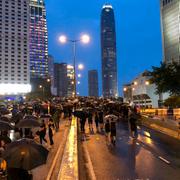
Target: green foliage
column 166, row 78
column 173, row 101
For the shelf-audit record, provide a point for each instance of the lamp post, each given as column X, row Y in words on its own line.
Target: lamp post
column 42, row 87
column 84, row 39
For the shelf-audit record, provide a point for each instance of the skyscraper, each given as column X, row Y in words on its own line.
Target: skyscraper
column 93, row 83
column 63, row 78
column 108, row 52
column 14, row 49
column 170, row 20
column 38, row 40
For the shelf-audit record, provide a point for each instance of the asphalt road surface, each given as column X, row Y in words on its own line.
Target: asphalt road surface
column 152, row 156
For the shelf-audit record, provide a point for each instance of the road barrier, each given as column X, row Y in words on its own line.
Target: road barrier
column 69, row 164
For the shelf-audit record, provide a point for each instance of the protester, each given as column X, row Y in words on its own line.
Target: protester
column 90, row 121
column 101, row 122
column 42, row 133
column 56, row 119
column 133, row 124
column 107, row 131
column 50, row 132
column 97, row 121
column 113, row 132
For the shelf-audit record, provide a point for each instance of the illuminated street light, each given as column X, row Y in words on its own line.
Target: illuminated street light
column 84, row 39
column 48, row 80
column 79, row 75
column 80, row 66
column 147, row 82
column 79, row 82
column 63, row 39
column 40, row 86
column 135, row 83
column 125, row 89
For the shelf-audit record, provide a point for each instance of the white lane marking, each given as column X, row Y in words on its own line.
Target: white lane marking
column 166, row 161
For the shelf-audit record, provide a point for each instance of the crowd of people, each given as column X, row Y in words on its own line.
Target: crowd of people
column 101, row 115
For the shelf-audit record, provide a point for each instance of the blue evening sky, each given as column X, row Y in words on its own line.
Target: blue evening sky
column 137, row 28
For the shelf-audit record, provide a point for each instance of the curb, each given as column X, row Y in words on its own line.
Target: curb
column 49, row 176
column 69, row 164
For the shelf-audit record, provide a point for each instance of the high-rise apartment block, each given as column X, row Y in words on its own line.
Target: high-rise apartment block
column 108, row 52
column 170, row 20
column 93, row 83
column 14, row 47
column 38, row 40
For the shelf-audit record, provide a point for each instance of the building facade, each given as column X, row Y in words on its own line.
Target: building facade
column 108, row 52
column 93, row 83
column 63, row 80
column 170, row 20
column 141, row 93
column 70, row 81
column 14, row 47
column 38, row 38
column 50, row 66
column 51, row 72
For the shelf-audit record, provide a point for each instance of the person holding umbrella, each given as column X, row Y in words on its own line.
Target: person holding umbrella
column 24, row 155
column 133, row 124
column 107, row 131
column 113, row 131
column 50, row 132
column 97, row 121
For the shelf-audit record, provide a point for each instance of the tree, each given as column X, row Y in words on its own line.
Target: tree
column 173, row 101
column 166, row 78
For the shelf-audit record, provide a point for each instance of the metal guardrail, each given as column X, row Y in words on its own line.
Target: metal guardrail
column 69, row 165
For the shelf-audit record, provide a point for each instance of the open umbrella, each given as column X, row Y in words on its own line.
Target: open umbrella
column 30, row 117
column 5, row 119
column 28, row 123
column 25, row 154
column 111, row 117
column 6, row 139
column 5, row 126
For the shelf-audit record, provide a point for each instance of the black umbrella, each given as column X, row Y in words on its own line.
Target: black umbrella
column 5, row 126
column 46, row 116
column 30, row 117
column 25, row 154
column 4, row 118
column 28, row 123
column 6, row 139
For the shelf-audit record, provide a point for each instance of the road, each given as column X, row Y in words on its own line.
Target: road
column 50, row 170
column 152, row 156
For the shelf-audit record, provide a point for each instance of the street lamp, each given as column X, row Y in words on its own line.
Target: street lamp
column 84, row 39
column 42, row 87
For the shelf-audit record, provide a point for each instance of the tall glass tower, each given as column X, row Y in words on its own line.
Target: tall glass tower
column 170, row 19
column 108, row 52
column 38, row 38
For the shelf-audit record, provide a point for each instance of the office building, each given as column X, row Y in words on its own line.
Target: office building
column 70, row 81
column 93, row 83
column 63, row 80
column 14, row 47
column 38, row 40
column 108, row 52
column 170, row 20
column 50, row 66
